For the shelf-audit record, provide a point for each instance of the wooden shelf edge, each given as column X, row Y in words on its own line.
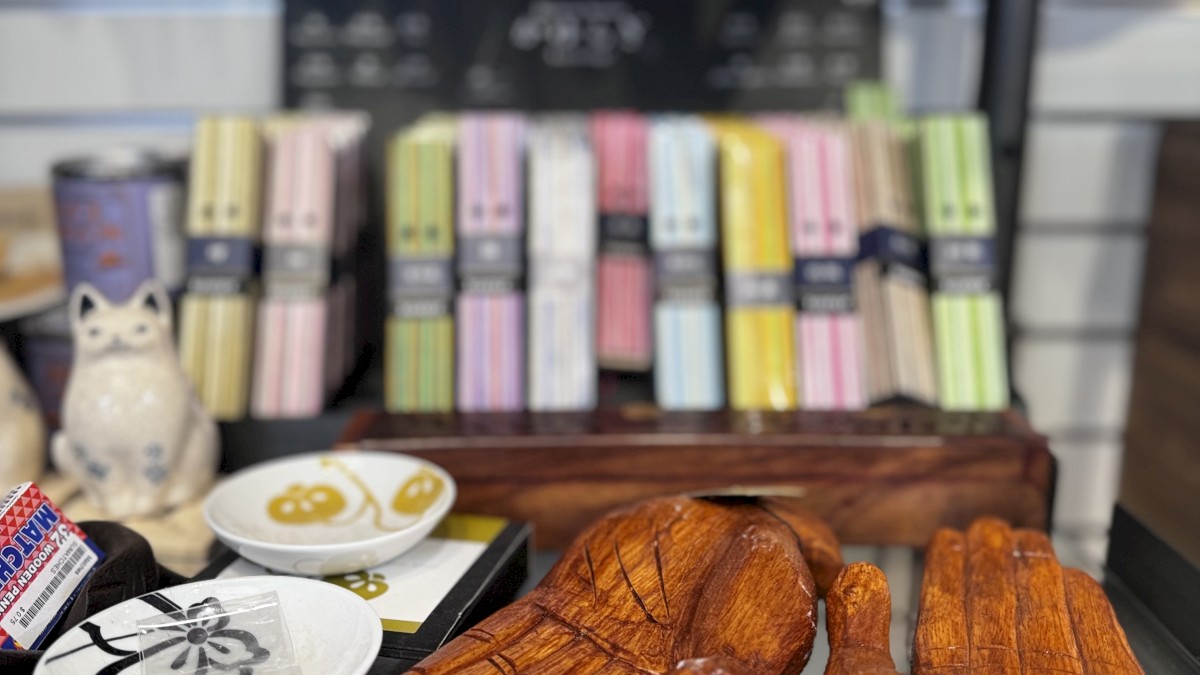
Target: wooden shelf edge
column 880, row 478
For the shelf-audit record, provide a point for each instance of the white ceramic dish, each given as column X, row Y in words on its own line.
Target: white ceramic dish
column 329, row 512
column 332, row 631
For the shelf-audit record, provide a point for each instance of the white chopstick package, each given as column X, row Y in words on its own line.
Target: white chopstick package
column 562, row 261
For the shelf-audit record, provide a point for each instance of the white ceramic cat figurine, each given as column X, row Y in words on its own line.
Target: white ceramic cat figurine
column 22, row 432
column 134, row 433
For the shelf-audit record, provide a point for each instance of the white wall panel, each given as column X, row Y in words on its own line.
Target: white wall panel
column 1088, row 475
column 1071, row 384
column 1077, row 281
column 81, row 61
column 1132, row 58
column 27, row 151
column 1081, row 173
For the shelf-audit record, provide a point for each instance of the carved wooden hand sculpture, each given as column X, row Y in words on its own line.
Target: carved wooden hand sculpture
column 675, row 585
column 993, row 601
column 996, row 600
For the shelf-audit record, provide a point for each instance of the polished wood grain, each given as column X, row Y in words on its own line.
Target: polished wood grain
column 1160, row 476
column 995, row 600
column 858, row 611
column 673, row 585
column 882, row 476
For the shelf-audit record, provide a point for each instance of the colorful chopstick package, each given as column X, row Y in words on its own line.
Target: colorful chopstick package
column 871, row 100
column 760, row 315
column 420, row 209
column 562, row 260
column 490, row 317
column 829, row 338
column 967, row 314
column 216, row 334
column 889, row 281
column 688, row 353
column 304, row 318
column 624, row 283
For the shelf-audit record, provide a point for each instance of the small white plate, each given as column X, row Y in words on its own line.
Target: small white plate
column 330, row 512
column 332, row 630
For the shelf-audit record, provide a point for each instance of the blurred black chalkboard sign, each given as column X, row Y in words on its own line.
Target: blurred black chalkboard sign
column 399, row 58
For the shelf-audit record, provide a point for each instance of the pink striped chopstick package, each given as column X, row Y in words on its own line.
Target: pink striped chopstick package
column 562, row 257
column 491, row 306
column 289, row 380
column 829, row 339
column 305, row 319
column 624, row 279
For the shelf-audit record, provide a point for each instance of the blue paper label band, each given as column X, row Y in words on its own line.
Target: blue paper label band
column 758, row 289
column 624, row 234
column 490, row 260
column 824, row 285
column 963, row 264
column 233, row 257
column 687, row 275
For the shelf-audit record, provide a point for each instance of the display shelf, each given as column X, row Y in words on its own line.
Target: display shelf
column 886, row 476
column 249, row 441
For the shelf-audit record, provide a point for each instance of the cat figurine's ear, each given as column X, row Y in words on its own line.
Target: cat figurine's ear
column 85, row 299
column 152, row 295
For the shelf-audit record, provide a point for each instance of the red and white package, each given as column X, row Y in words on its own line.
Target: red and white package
column 45, row 560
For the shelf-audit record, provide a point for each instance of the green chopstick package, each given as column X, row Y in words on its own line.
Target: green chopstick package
column 870, row 100
column 419, row 358
column 960, row 218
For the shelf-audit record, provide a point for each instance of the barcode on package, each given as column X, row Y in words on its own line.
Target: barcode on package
column 47, row 593
column 44, row 561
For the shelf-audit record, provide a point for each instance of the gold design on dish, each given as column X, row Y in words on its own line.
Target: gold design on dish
column 366, row 585
column 322, row 503
column 418, row 493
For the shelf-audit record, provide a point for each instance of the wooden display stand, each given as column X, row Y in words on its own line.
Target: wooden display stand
column 886, row 476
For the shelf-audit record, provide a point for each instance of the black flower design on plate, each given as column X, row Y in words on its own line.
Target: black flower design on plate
column 204, row 642
column 198, row 642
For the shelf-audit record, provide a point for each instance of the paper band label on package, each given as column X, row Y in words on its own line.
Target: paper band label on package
column 823, row 285
column 758, row 289
column 560, row 274
column 233, row 257
column 490, row 263
column 44, row 561
column 624, row 234
column 296, row 269
column 963, row 264
column 420, row 287
column 686, row 275
column 897, row 252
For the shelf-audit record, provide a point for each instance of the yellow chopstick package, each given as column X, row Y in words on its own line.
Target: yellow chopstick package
column 216, row 312
column 760, row 314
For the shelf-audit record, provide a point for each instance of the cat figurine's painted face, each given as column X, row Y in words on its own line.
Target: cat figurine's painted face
column 140, row 326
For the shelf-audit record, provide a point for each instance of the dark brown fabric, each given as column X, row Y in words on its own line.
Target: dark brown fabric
column 128, row 570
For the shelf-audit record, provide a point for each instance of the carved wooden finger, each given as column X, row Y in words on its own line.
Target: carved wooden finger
column 992, row 598
column 1102, row 643
column 670, row 585
column 819, row 544
column 941, row 645
column 1044, row 634
column 858, row 611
